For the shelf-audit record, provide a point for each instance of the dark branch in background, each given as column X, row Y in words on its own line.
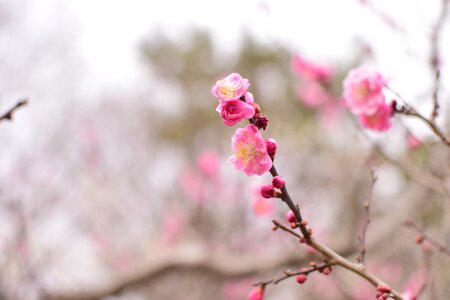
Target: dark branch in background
column 362, row 235
column 8, row 116
column 435, row 59
column 424, row 237
column 226, row 266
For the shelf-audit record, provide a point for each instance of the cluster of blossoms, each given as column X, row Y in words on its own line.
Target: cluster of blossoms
column 252, row 154
column 363, row 94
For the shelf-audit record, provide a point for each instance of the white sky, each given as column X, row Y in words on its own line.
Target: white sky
column 110, row 30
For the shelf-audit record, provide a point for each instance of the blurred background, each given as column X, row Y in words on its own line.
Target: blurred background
column 113, row 179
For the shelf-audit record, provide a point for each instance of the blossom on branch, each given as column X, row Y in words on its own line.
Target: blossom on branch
column 380, row 120
column 231, row 87
column 250, row 151
column 234, row 111
column 363, row 91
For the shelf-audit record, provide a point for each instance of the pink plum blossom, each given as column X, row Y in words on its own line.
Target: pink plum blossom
column 380, row 120
column 256, row 294
column 310, row 70
column 234, row 111
column 261, row 207
column 208, row 162
column 363, row 90
column 250, row 152
column 231, row 87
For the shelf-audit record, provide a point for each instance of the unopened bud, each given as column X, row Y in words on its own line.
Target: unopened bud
column 267, row 191
column 301, row 278
column 278, row 182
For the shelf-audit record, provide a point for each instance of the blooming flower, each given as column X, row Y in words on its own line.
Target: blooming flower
column 380, row 120
column 250, row 152
column 231, row 87
column 363, row 90
column 234, row 111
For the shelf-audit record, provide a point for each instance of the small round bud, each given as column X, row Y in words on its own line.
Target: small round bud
column 267, row 191
column 301, row 278
column 256, row 294
column 291, row 217
column 326, row 271
column 271, row 145
column 302, row 240
column 304, row 222
column 384, row 288
column 278, row 182
column 419, row 238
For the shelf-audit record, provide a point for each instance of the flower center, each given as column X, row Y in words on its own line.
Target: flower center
column 246, row 152
column 227, row 91
column 361, row 91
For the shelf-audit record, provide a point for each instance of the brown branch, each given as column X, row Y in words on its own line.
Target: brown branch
column 408, row 110
column 8, row 116
column 286, row 198
column 424, row 236
column 362, row 235
column 287, row 273
column 225, row 265
column 331, row 255
column 435, row 60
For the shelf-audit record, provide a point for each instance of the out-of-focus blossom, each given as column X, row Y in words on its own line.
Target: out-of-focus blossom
column 408, row 295
column 312, row 94
column 234, row 111
column 256, row 294
column 363, row 91
column 208, row 162
column 262, row 207
column 231, row 87
column 191, row 185
column 311, row 70
column 380, row 120
column 173, row 226
column 250, row 152
column 413, row 142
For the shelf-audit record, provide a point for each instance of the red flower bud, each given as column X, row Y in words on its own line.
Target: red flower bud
column 301, row 278
column 271, row 145
column 291, row 217
column 278, row 182
column 268, row 191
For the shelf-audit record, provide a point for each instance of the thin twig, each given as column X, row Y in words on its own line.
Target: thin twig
column 362, row 235
column 435, row 60
column 287, row 273
column 356, row 268
column 408, row 110
column 10, row 113
column 427, row 238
